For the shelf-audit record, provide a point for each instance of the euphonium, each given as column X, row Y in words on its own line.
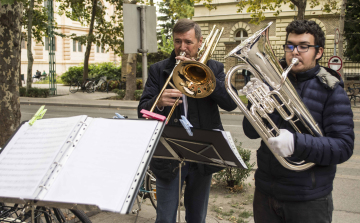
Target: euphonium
column 260, row 60
column 194, row 78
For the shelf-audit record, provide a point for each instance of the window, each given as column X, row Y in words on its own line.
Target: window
column 97, row 48
column 102, row 48
column 79, row 47
column 47, row 43
column 74, row 45
column 240, row 35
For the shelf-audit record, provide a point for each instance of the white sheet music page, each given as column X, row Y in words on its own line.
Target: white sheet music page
column 230, row 141
column 27, row 157
column 103, row 165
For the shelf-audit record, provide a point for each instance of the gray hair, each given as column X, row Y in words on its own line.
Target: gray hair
column 184, row 25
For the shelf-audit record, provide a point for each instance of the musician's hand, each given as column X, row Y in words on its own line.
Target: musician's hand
column 186, row 57
column 169, row 97
column 283, row 144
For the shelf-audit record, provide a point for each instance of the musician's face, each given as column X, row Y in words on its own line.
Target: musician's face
column 307, row 60
column 187, row 42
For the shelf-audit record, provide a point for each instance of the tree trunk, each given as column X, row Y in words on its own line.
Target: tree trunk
column 341, row 37
column 130, row 76
column 10, row 16
column 301, row 7
column 128, row 70
column 29, row 52
column 89, row 41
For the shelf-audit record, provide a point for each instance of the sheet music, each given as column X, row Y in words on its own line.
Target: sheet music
column 30, row 152
column 102, row 167
column 230, row 141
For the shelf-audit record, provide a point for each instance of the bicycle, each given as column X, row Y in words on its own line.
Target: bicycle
column 88, row 85
column 23, row 214
column 101, row 84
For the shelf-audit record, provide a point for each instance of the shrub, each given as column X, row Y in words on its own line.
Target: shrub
column 113, row 84
column 138, row 94
column 96, row 71
column 121, row 94
column 139, row 84
column 235, row 176
column 34, row 92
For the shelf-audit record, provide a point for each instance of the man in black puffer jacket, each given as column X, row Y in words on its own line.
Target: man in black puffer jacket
column 283, row 195
column 202, row 113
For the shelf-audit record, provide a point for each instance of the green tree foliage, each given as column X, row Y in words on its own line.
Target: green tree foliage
column 352, row 30
column 107, row 31
column 259, row 7
column 106, row 28
column 171, row 11
column 166, row 45
column 39, row 20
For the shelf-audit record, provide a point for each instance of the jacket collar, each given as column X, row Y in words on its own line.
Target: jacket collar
column 306, row 75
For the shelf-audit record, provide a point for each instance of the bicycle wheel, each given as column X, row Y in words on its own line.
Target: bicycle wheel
column 15, row 213
column 150, row 186
column 90, row 87
column 74, row 86
column 49, row 215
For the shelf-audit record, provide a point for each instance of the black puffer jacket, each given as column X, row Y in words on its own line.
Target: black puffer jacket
column 321, row 90
column 202, row 113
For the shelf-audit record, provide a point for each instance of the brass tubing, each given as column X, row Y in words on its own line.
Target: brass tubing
column 205, row 57
column 172, row 110
column 217, row 41
column 206, row 41
column 166, row 84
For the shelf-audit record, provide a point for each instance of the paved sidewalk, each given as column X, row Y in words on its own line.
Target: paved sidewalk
column 83, row 99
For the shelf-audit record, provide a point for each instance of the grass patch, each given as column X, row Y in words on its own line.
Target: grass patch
column 245, row 214
column 243, row 99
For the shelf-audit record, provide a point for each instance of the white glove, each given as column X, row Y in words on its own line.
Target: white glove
column 283, row 144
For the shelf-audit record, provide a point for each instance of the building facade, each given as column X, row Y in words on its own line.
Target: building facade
column 237, row 28
column 67, row 51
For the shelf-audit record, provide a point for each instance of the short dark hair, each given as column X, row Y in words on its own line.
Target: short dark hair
column 184, row 25
column 307, row 26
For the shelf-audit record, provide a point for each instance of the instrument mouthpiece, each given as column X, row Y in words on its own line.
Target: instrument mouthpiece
column 295, row 61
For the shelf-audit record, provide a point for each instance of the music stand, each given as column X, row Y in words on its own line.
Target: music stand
column 212, row 147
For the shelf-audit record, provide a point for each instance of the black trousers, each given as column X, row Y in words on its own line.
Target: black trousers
column 267, row 209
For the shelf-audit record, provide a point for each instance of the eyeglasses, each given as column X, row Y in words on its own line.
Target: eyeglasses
column 303, row 48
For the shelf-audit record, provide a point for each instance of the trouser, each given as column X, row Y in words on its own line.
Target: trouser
column 268, row 209
column 196, row 196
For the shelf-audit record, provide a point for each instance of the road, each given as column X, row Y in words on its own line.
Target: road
column 347, row 181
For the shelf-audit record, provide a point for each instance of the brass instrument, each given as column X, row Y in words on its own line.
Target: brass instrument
column 194, row 78
column 257, row 53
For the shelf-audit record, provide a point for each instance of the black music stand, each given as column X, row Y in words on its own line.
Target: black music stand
column 210, row 147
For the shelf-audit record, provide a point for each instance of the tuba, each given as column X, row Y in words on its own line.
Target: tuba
column 194, row 78
column 260, row 60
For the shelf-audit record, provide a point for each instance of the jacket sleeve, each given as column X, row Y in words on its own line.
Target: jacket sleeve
column 220, row 95
column 151, row 91
column 337, row 144
column 249, row 130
